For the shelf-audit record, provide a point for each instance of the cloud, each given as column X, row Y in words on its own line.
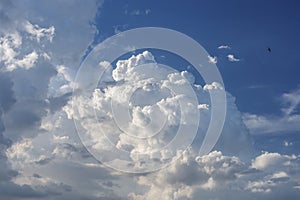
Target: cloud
column 138, row 12
column 288, row 121
column 34, row 43
column 27, row 62
column 287, row 144
column 224, row 47
column 9, row 45
column 216, row 176
column 291, row 101
column 231, row 58
column 152, row 101
column 212, row 59
column 41, row 156
column 189, row 174
column 9, row 189
column 269, row 160
column 260, row 124
column 38, row 32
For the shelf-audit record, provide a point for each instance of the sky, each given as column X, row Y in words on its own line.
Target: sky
column 75, row 124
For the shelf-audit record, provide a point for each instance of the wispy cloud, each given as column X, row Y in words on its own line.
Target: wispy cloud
column 292, row 100
column 224, row 47
column 288, row 121
column 232, row 58
column 138, row 12
column 258, row 86
column 120, row 28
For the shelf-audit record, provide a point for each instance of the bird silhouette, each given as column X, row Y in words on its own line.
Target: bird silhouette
column 269, row 49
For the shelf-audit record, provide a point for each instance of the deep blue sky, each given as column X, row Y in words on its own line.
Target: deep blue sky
column 248, row 27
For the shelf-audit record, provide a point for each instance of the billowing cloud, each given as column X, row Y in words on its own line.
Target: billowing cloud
column 31, row 46
column 41, row 155
column 216, row 175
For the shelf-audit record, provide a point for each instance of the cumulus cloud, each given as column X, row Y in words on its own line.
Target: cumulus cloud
column 158, row 96
column 189, row 174
column 187, row 178
column 216, row 175
column 155, row 96
column 38, row 139
column 34, row 43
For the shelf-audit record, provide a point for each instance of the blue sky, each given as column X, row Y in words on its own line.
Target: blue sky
column 54, row 124
column 249, row 28
column 260, row 78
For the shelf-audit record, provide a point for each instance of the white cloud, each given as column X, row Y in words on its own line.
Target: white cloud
column 271, row 160
column 203, row 106
column 51, row 143
column 8, row 45
column 260, row 186
column 212, row 59
column 38, row 32
column 210, row 175
column 213, row 86
column 291, row 100
column 287, row 144
column 159, row 95
column 216, row 176
column 12, row 44
column 28, row 59
column 27, row 62
column 224, row 47
column 231, row 58
column 280, row 175
column 289, row 121
column 138, row 12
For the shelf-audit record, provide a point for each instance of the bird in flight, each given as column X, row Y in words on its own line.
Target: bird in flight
column 269, row 49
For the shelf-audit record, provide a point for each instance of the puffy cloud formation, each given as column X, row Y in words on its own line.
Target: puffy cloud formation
column 29, row 60
column 41, row 155
column 218, row 176
column 145, row 107
column 161, row 102
column 9, row 45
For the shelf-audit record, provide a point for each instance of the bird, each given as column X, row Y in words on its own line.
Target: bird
column 269, row 49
